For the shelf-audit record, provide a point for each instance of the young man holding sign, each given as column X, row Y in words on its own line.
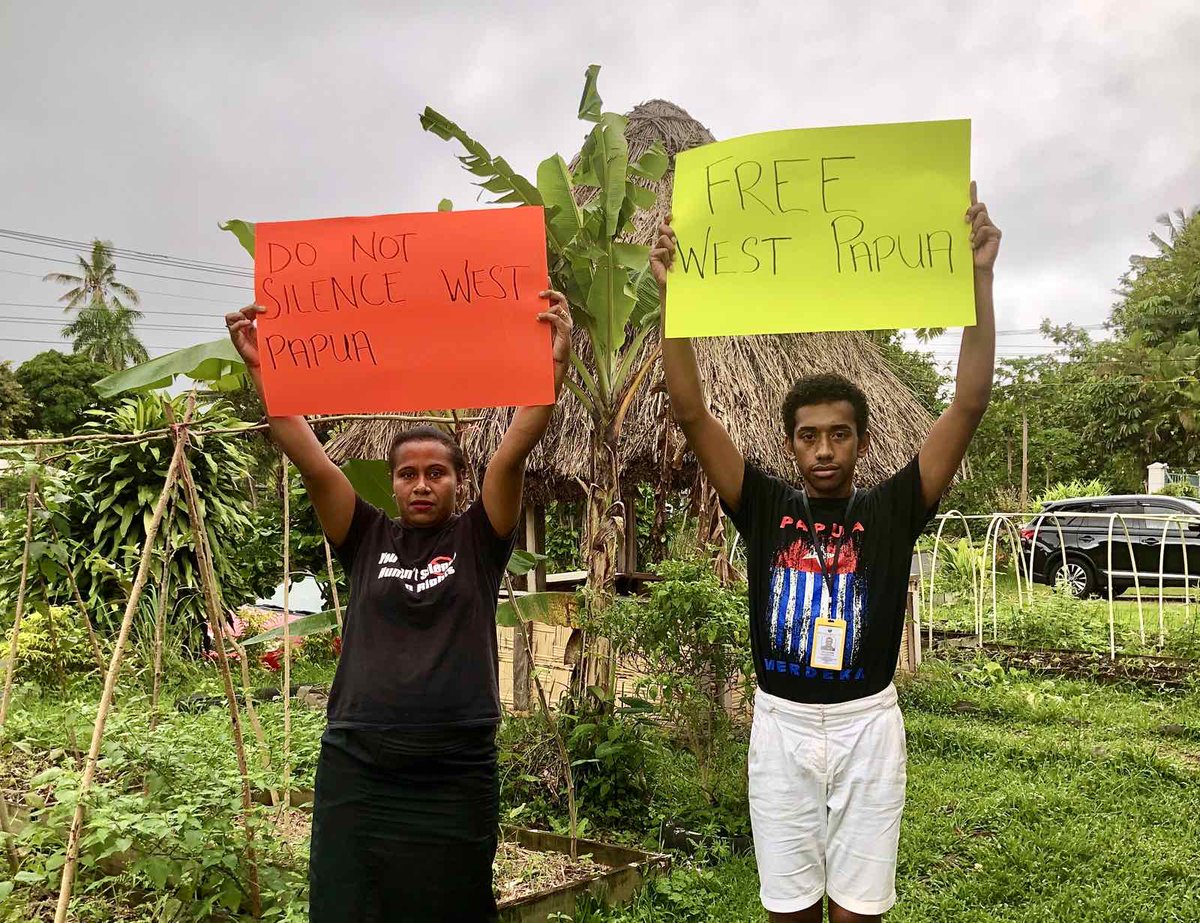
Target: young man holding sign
column 828, row 569
column 407, row 799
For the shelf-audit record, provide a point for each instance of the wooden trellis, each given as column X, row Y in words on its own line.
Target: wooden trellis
column 178, row 481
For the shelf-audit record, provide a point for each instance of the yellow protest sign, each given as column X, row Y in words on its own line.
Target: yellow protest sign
column 855, row 228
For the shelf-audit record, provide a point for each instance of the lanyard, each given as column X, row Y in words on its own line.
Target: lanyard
column 827, row 571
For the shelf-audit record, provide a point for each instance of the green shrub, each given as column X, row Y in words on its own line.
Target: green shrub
column 1065, row 490
column 958, row 567
column 115, row 487
column 629, row 775
column 1181, row 489
column 610, row 754
column 42, row 629
column 164, row 831
column 320, row 648
column 689, row 639
column 712, row 802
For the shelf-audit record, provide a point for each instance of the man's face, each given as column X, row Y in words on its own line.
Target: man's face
column 424, row 482
column 827, row 447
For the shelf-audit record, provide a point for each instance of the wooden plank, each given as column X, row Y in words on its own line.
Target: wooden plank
column 534, row 540
column 629, row 870
column 629, row 551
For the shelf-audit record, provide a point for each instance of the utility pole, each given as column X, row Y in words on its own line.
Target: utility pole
column 1024, row 461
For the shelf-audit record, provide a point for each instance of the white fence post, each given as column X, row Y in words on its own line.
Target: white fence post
column 1156, row 478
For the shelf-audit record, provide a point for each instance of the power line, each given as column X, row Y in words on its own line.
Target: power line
column 125, row 253
column 17, row 272
column 58, row 307
column 232, row 307
column 60, row 343
column 1039, row 329
column 230, row 269
column 139, row 324
column 131, row 272
column 141, row 291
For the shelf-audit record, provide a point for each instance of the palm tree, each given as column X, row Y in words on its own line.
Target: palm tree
column 1176, row 223
column 106, row 335
column 103, row 328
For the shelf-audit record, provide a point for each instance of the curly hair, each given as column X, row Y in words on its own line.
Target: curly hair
column 825, row 388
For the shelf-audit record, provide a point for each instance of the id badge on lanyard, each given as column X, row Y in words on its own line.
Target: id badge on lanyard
column 829, row 644
column 829, row 634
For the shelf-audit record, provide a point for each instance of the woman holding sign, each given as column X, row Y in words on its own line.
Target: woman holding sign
column 828, row 569
column 407, row 796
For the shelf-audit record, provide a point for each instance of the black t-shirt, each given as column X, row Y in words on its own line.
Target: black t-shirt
column 419, row 642
column 787, row 588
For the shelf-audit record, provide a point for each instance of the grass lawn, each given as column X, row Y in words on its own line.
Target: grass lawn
column 1030, row 800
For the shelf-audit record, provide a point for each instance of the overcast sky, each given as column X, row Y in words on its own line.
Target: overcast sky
column 148, row 123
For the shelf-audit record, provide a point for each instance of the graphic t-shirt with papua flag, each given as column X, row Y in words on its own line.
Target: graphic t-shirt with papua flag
column 788, row 591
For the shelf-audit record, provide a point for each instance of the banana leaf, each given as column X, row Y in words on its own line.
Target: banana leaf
column 548, row 608
column 299, row 628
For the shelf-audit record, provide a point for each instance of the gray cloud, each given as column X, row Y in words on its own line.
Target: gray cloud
column 149, row 123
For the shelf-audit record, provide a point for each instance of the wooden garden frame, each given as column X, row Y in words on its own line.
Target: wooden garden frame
column 178, row 481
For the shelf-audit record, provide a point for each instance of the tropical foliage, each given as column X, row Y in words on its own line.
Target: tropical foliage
column 607, row 281
column 689, row 640
column 64, row 385
column 15, row 407
column 115, row 488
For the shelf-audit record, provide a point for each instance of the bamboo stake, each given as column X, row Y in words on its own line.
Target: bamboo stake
column 564, row 755
column 83, row 614
column 16, row 628
column 208, row 580
column 285, row 783
column 98, row 437
column 160, row 618
column 337, row 605
column 110, row 682
column 14, row 860
column 264, row 752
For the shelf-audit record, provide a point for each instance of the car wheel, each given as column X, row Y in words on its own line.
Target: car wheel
column 1077, row 574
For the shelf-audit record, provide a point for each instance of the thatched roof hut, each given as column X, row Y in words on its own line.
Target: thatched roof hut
column 747, row 378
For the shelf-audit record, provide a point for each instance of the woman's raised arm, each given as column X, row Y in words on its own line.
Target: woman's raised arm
column 328, row 488
column 505, row 477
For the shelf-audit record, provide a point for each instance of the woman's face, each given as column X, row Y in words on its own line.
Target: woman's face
column 425, row 482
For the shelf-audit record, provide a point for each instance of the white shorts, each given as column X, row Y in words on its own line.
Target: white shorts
column 826, row 795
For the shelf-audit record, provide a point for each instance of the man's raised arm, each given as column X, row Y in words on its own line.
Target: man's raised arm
column 947, row 443
column 718, row 456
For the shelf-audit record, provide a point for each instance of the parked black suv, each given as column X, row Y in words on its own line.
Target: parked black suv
column 1085, row 524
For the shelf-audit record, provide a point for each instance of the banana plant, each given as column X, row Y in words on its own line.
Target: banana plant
column 607, row 280
column 613, row 297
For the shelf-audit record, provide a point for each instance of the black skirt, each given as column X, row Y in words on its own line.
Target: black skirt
column 404, row 827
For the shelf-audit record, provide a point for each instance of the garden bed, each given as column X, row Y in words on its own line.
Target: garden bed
column 613, row 874
column 1158, row 672
column 535, row 872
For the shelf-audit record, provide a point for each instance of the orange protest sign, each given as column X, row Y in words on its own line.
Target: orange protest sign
column 431, row 311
